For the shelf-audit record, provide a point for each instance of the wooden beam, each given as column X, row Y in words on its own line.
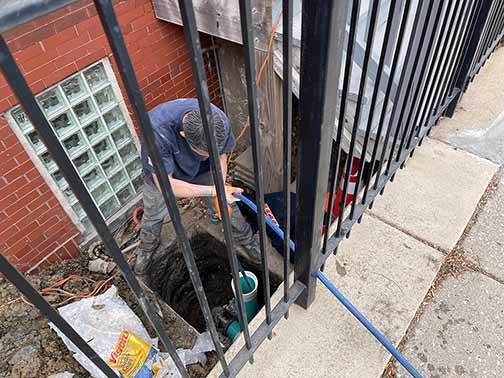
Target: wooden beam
column 270, row 115
column 220, row 18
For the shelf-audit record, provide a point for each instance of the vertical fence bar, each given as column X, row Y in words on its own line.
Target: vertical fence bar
column 453, row 61
column 427, row 111
column 193, row 42
column 411, row 46
column 287, row 135
column 248, row 45
column 41, row 125
column 487, row 41
column 381, row 63
column 498, row 26
column 393, row 68
column 422, row 82
column 446, row 66
column 484, row 35
column 460, row 54
column 219, row 75
column 495, row 30
column 462, row 76
column 323, row 27
column 115, row 38
column 453, row 53
column 405, row 100
column 487, row 38
column 358, row 110
column 473, row 25
column 52, row 314
column 335, row 160
column 341, row 119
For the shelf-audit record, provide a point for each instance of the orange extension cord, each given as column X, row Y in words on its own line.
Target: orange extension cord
column 54, row 289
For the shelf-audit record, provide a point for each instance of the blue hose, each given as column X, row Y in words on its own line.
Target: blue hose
column 269, row 222
column 366, row 323
column 349, row 306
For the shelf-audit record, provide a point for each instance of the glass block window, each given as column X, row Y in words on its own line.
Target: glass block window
column 86, row 115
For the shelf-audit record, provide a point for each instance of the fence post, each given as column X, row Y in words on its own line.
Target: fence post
column 464, row 69
column 323, row 26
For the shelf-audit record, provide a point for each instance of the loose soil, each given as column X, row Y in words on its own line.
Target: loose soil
column 30, row 349
column 171, row 280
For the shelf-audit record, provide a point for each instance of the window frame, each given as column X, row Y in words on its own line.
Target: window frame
column 46, row 173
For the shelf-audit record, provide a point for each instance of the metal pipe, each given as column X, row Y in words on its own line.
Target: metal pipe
column 287, row 14
column 193, row 42
column 369, row 326
column 116, row 41
column 247, row 31
column 15, row 12
column 219, row 74
column 323, row 26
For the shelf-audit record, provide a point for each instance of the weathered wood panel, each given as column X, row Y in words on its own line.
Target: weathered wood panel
column 220, row 18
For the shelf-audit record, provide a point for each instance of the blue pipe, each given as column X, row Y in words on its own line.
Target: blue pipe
column 366, row 323
column 269, row 222
column 349, row 306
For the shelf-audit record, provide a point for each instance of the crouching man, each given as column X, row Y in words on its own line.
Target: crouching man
column 180, row 138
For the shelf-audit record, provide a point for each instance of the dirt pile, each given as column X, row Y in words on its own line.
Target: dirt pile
column 30, row 349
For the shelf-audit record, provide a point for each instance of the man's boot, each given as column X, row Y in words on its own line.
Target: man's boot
column 149, row 243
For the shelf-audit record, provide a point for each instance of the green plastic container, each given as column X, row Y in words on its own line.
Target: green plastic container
column 250, row 298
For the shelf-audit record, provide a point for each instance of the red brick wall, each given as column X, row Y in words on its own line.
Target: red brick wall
column 33, row 225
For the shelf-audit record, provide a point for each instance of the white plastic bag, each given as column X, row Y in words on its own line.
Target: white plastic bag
column 99, row 320
column 65, row 374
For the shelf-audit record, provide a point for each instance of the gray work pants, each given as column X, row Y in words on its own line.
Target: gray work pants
column 155, row 212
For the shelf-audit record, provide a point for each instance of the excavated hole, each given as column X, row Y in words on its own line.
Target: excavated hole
column 174, row 285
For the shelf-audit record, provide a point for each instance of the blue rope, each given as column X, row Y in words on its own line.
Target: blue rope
column 366, row 323
column 349, row 306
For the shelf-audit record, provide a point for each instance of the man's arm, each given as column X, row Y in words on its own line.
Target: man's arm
column 183, row 189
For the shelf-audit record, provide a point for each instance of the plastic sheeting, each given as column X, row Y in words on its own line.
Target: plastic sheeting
column 100, row 320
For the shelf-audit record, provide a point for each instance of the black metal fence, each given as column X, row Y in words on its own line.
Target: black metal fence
column 430, row 55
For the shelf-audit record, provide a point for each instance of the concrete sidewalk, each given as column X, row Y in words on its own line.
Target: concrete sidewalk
column 460, row 332
column 392, row 261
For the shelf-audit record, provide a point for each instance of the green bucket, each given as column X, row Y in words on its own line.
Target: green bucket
column 249, row 290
